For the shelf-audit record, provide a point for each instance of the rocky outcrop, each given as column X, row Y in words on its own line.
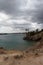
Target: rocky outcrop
column 35, row 37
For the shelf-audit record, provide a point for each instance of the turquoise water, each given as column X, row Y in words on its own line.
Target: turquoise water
column 14, row 41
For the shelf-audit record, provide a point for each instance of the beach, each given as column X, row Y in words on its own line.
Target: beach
column 19, row 58
column 31, row 56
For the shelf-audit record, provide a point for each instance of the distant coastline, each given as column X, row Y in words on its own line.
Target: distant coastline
column 10, row 33
column 3, row 33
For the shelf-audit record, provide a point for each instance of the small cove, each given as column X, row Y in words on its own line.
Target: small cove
column 14, row 41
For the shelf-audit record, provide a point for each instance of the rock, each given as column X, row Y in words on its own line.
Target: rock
column 1, row 48
column 36, row 37
column 18, row 56
column 5, row 58
column 36, row 54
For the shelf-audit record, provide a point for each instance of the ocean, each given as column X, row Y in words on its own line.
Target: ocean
column 14, row 41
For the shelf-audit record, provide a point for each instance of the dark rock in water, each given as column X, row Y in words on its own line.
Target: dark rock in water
column 1, row 48
column 25, row 38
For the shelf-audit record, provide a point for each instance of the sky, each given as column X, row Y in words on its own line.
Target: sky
column 18, row 15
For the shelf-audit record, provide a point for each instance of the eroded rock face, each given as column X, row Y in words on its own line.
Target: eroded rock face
column 35, row 37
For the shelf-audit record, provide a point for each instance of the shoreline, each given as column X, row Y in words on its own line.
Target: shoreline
column 16, row 57
column 30, row 56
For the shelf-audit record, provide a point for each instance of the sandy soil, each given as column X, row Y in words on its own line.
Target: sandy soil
column 32, row 56
column 19, row 58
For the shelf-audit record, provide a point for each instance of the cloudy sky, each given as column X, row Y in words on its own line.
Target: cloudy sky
column 17, row 15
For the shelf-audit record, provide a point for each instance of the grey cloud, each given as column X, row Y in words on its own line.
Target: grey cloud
column 12, row 7
column 32, row 14
column 38, row 15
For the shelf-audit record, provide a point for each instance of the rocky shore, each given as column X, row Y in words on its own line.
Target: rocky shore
column 34, row 35
column 31, row 56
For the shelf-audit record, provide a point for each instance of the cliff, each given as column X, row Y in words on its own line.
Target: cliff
column 34, row 36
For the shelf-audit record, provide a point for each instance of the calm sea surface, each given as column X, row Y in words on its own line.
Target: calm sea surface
column 14, row 41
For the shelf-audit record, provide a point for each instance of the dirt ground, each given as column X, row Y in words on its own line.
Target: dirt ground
column 21, row 59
